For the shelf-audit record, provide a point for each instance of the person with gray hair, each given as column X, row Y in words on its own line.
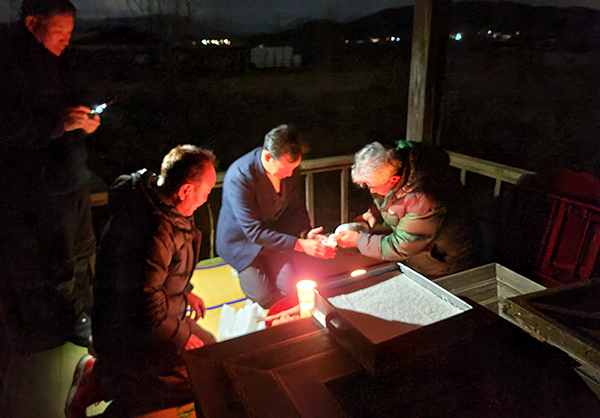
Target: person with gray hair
column 412, row 187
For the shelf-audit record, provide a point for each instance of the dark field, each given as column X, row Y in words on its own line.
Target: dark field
column 532, row 110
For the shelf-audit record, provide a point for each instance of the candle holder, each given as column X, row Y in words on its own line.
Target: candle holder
column 306, row 296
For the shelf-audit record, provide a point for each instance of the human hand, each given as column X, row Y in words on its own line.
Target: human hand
column 369, row 218
column 316, row 234
column 315, row 248
column 197, row 307
column 284, row 319
column 77, row 117
column 347, row 239
column 193, row 343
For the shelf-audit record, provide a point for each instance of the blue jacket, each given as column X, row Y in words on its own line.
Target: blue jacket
column 249, row 219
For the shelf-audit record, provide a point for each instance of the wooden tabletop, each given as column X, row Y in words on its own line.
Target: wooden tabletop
column 299, row 370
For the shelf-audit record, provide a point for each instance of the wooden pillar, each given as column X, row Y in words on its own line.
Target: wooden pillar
column 427, row 67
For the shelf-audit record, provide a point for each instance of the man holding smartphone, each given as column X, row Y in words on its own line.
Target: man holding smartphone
column 47, row 244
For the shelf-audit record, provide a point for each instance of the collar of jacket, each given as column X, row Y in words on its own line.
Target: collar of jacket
column 403, row 187
column 33, row 50
column 139, row 188
column 170, row 213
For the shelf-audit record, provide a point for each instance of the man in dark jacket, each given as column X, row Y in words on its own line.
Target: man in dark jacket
column 147, row 254
column 263, row 218
column 47, row 243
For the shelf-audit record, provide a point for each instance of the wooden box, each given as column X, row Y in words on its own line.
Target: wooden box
column 382, row 345
column 489, row 286
column 471, row 365
column 567, row 317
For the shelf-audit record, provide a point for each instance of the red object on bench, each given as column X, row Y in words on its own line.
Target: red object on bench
column 281, row 305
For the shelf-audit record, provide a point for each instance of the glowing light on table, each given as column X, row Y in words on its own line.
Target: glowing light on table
column 359, row 272
column 306, row 296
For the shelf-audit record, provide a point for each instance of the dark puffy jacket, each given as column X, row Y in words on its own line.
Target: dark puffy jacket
column 36, row 158
column 146, row 257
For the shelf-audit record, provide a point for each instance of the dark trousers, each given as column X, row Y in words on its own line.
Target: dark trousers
column 142, row 382
column 144, row 390
column 47, row 255
column 270, row 277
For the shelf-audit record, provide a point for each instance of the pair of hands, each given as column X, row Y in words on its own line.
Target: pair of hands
column 347, row 239
column 315, row 245
column 197, row 311
column 77, row 117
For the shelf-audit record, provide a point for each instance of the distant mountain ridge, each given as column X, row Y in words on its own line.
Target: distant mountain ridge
column 467, row 16
column 580, row 25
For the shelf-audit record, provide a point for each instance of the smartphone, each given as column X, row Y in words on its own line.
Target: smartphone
column 96, row 110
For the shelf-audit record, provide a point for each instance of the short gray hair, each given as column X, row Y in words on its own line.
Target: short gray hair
column 374, row 163
column 183, row 164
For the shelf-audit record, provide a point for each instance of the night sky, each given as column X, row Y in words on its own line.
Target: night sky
column 257, row 15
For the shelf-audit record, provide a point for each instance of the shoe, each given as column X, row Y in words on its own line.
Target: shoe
column 83, row 391
column 82, row 331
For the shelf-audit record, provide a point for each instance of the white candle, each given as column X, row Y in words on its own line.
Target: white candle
column 306, row 296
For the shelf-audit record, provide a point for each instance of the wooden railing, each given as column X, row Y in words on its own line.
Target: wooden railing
column 466, row 164
column 311, row 167
column 500, row 172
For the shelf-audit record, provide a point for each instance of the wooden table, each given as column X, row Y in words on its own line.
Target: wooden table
column 298, row 370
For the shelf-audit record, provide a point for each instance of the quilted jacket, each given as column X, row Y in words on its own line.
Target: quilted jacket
column 146, row 257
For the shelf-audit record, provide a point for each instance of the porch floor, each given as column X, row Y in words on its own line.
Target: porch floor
column 214, row 282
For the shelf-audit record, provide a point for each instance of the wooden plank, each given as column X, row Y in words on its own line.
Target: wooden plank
column 467, row 278
column 480, row 294
column 489, row 285
column 427, row 66
column 520, row 283
column 309, row 191
column 486, row 168
column 344, row 196
column 99, row 199
column 546, row 329
column 326, row 164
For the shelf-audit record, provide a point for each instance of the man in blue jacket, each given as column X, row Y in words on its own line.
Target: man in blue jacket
column 263, row 218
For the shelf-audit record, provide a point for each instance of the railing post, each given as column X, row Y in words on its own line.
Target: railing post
column 310, row 198
column 427, row 69
column 344, row 205
column 497, row 187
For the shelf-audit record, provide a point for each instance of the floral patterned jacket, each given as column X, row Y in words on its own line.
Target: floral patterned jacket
column 419, row 235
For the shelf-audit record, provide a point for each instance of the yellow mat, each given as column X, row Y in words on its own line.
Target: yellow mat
column 214, row 282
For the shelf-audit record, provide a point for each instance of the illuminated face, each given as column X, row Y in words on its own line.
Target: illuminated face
column 199, row 192
column 54, row 33
column 281, row 168
column 382, row 188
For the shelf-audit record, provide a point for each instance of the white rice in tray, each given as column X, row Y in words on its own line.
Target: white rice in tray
column 397, row 299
